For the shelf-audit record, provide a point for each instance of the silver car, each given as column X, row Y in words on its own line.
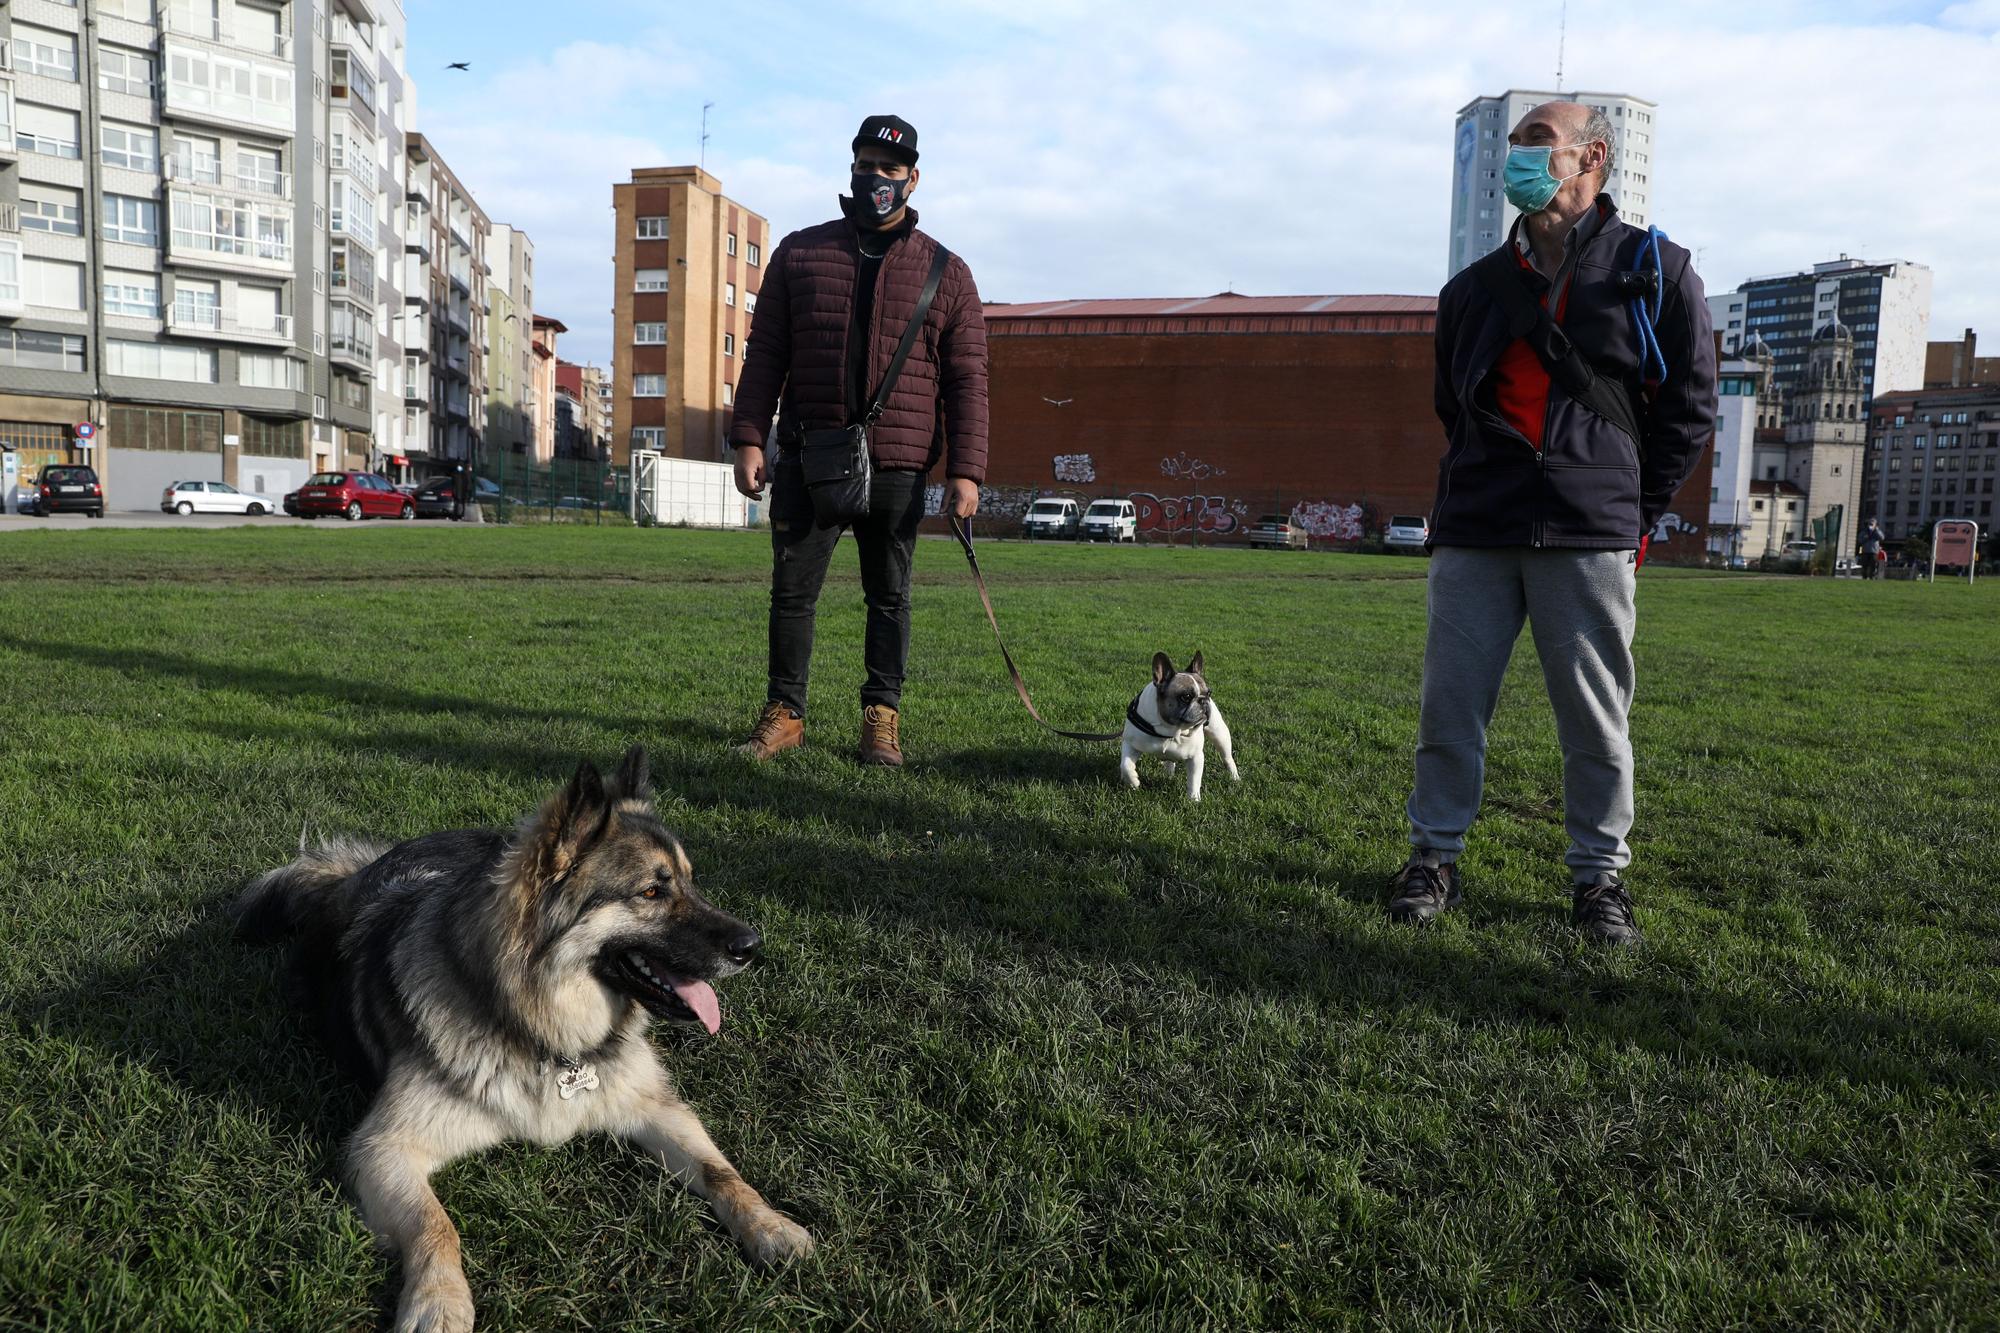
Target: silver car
column 1406, row 534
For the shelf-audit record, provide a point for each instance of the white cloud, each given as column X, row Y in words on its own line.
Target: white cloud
column 1145, row 149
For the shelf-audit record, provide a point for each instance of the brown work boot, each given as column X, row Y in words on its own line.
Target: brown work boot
column 880, row 743
column 778, row 729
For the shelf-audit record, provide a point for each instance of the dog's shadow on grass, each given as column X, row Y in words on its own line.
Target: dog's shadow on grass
column 210, row 1015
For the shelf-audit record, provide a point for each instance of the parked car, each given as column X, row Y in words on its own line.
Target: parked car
column 355, row 495
column 68, row 488
column 1111, row 520
column 24, row 497
column 1406, row 533
column 1737, row 562
column 291, row 503
column 1278, row 532
column 1054, row 517
column 210, row 497
column 437, row 498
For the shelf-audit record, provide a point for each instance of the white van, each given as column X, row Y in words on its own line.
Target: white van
column 1052, row 517
column 1111, row 520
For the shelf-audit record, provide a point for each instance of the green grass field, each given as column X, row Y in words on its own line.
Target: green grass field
column 1031, row 1051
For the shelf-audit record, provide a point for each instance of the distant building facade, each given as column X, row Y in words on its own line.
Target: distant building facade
column 1887, row 306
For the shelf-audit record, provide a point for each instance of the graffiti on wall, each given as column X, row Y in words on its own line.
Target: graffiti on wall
column 1078, row 468
column 1184, row 468
column 1671, row 523
column 1329, row 520
column 1211, row 515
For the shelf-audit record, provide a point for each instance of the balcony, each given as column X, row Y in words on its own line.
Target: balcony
column 202, row 172
column 213, row 92
column 10, row 218
column 222, row 32
column 209, row 322
column 212, row 227
column 458, row 318
column 353, row 348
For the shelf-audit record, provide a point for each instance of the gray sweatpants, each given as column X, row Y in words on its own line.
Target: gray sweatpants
column 1580, row 606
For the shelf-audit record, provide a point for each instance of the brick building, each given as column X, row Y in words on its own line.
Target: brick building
column 1210, row 412
column 688, row 265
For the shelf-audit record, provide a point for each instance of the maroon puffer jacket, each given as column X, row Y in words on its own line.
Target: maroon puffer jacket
column 798, row 351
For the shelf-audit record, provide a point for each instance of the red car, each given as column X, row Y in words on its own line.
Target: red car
column 357, row 495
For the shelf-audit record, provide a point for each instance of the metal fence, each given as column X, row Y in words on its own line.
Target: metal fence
column 568, row 490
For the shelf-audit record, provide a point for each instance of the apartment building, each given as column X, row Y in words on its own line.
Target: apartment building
column 689, row 262
column 193, row 233
column 1932, row 454
column 1887, row 306
column 445, row 282
column 510, row 375
column 597, row 403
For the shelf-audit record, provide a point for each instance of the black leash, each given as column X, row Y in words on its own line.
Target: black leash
column 963, row 531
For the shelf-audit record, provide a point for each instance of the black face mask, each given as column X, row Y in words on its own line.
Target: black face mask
column 876, row 198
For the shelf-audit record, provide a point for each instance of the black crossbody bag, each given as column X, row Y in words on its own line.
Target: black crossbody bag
column 837, row 467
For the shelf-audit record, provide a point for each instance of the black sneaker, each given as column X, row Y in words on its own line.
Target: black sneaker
column 1602, row 911
column 1424, row 887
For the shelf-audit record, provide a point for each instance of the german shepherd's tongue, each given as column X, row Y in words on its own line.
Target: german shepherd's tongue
column 700, row 997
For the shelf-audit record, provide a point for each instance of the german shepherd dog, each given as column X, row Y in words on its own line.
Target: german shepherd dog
column 492, row 986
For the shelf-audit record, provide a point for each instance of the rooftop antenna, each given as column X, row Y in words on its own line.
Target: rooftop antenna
column 704, row 132
column 1562, row 39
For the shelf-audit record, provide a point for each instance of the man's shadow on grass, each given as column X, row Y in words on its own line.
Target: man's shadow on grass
column 1164, row 915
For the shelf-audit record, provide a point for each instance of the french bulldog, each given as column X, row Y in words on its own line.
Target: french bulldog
column 1174, row 717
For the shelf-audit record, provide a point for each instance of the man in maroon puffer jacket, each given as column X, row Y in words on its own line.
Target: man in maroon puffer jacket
column 835, row 302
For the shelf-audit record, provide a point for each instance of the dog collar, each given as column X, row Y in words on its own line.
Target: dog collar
column 1133, row 716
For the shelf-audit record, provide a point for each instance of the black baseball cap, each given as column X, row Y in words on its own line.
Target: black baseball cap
column 890, row 132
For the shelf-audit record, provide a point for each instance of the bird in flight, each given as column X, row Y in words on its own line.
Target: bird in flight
column 460, row 64
column 1057, row 402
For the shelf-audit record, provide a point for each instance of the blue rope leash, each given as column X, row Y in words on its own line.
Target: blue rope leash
column 1646, row 310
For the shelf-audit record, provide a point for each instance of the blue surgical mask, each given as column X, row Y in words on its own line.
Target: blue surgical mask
column 1528, row 181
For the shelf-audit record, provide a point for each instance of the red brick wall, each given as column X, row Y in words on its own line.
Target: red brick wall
column 1210, row 431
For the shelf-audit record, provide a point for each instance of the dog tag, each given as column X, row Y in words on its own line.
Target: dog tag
column 575, row 1079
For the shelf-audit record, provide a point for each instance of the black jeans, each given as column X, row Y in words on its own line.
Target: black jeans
column 801, row 548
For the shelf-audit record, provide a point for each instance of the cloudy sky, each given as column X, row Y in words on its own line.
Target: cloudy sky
column 1271, row 146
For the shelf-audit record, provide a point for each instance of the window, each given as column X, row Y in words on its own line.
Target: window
column 197, row 304
column 652, row 229
column 28, row 350
column 649, row 386
column 260, row 171
column 729, row 344
column 134, row 294
column 49, row 54
column 130, row 146
column 649, row 437
column 52, row 283
column 756, row 254
column 728, row 393
column 160, row 361
column 269, row 370
column 122, row 71
column 197, row 160
column 650, row 280
column 732, row 242
column 226, row 227
column 46, row 129
column 133, row 221
column 10, row 274
column 51, row 208
column 649, row 335
column 729, row 294
column 319, row 406
column 750, row 302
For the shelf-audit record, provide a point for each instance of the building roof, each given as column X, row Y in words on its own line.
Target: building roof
column 1901, row 396
column 1225, row 312
column 1775, row 488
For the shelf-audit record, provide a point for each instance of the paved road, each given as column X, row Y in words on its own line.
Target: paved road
column 153, row 518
